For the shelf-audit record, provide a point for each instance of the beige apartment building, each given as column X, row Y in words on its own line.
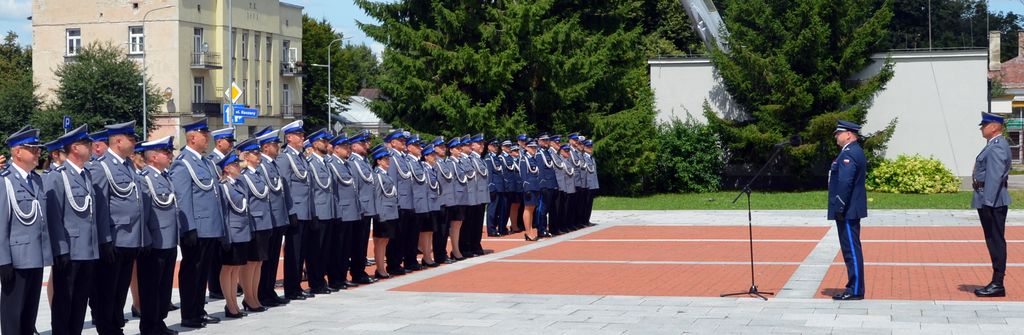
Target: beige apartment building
column 184, row 45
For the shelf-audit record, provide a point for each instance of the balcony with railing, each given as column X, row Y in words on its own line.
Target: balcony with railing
column 291, row 111
column 206, row 60
column 292, row 70
column 207, row 108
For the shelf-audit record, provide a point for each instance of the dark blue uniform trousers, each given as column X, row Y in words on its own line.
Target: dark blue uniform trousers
column 853, row 256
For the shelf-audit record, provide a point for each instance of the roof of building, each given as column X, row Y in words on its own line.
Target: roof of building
column 358, row 112
column 369, row 93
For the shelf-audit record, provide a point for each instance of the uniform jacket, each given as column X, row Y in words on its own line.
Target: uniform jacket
column 992, row 167
column 400, row 173
column 163, row 218
column 482, row 194
column 387, row 196
column 496, row 170
column 846, row 191
column 198, row 196
column 530, row 171
column 280, row 200
column 119, row 207
column 259, row 198
column 580, row 165
column 592, row 182
column 235, row 200
column 366, row 184
column 433, row 187
column 323, row 187
column 469, row 173
column 24, row 242
column 346, row 194
column 547, row 169
column 566, row 174
column 297, row 182
column 420, row 185
column 445, row 173
column 514, row 176
column 71, row 213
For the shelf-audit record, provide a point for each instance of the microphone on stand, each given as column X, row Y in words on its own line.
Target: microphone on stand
column 793, row 141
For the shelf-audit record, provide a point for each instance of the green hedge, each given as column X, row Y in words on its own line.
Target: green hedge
column 690, row 158
column 912, row 174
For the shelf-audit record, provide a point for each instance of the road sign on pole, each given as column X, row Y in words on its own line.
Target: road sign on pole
column 67, row 123
column 233, row 93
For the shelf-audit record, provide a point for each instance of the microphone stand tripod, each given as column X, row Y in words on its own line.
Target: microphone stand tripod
column 753, row 291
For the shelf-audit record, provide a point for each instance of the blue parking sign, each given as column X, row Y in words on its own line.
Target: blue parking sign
column 67, row 122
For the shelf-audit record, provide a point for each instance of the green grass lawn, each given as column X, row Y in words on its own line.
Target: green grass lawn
column 796, row 200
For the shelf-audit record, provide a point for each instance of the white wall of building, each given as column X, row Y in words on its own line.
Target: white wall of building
column 937, row 96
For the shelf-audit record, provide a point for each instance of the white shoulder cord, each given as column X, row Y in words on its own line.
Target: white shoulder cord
column 316, row 177
column 439, row 169
column 252, row 187
column 545, row 159
column 433, row 183
column 482, row 170
column 471, row 173
column 227, row 194
column 572, row 157
column 295, row 169
column 127, row 190
column 455, row 170
column 419, row 180
column 156, row 197
column 398, row 167
column 590, row 167
column 191, row 171
column 390, row 194
column 569, row 170
column 515, row 165
column 366, row 177
column 27, row 219
column 270, row 181
column 71, row 198
column 529, row 168
column 340, row 178
column 497, row 167
column 508, row 166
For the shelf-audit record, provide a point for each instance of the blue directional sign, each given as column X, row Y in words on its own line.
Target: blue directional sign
column 67, row 122
column 241, row 113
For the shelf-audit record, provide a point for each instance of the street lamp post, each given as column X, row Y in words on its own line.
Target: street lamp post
column 145, row 125
column 327, row 121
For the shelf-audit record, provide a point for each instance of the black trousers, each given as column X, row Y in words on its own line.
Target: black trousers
column 555, row 220
column 268, row 271
column 395, row 250
column 591, row 194
column 412, row 239
column 993, row 223
column 580, row 208
column 110, row 291
column 544, row 210
column 72, row 286
column 213, row 282
column 360, row 242
column 293, row 255
column 313, row 249
column 472, row 230
column 19, row 302
column 193, row 275
column 156, row 279
column 522, row 209
column 338, row 251
column 441, row 227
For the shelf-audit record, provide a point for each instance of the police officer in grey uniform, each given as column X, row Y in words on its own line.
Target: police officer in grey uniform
column 470, row 173
column 25, row 246
column 444, row 170
column 400, row 173
column 578, row 202
column 259, row 203
column 99, row 144
column 346, row 201
column 223, row 141
column 592, row 183
column 270, row 148
column 156, row 266
column 366, row 184
column 195, row 183
column 70, row 210
column 323, row 212
column 298, row 184
column 421, row 203
column 992, row 199
column 498, row 207
column 483, row 196
column 120, row 217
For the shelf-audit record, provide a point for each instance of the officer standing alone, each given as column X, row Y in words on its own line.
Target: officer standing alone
column 992, row 199
column 848, row 203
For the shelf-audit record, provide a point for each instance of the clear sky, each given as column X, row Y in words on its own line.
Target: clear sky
column 342, row 14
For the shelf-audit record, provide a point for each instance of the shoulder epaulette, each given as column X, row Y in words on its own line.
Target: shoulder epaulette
column 60, row 168
column 100, row 158
column 144, row 172
column 5, row 172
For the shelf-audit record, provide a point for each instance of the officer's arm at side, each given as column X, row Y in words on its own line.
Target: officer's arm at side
column 995, row 171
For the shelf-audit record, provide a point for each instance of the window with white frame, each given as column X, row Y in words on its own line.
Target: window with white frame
column 234, row 39
column 197, row 89
column 270, row 45
column 245, row 88
column 245, row 44
column 73, row 43
column 136, row 39
column 256, row 92
column 270, row 104
column 286, row 100
column 256, row 46
column 285, row 45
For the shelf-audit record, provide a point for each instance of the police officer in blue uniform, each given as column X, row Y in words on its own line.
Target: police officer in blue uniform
column 445, row 177
column 848, row 204
column 400, row 173
column 120, row 217
column 270, row 148
column 156, row 266
column 366, row 184
column 592, row 183
column 474, row 234
column 25, row 246
column 529, row 171
column 498, row 207
column 223, row 141
column 323, row 212
column 99, row 144
column 548, row 185
column 262, row 218
column 991, row 198
column 194, row 179
column 298, row 184
column 346, row 200
column 70, row 210
column 421, row 204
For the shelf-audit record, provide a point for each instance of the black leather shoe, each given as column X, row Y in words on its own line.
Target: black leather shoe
column 847, row 296
column 320, row 291
column 296, row 296
column 493, row 235
column 449, row 261
column 135, row 313
column 993, row 290
column 380, row 276
column 336, row 288
column 413, row 267
column 396, row 271
column 210, row 319
column 280, row 300
column 246, row 308
column 172, row 307
column 269, row 303
column 351, row 284
column 308, row 294
column 193, row 323
column 365, row 280
column 167, row 331
column 238, row 315
column 216, row 296
column 548, row 235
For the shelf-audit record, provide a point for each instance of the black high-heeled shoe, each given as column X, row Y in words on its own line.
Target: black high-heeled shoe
column 527, row 237
column 452, row 256
column 135, row 313
column 380, row 276
column 260, row 309
column 238, row 315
